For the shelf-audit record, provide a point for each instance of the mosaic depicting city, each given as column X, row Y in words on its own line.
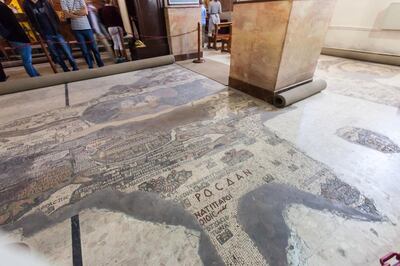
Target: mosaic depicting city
column 169, row 155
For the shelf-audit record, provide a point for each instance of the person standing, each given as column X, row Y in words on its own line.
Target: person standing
column 45, row 21
column 16, row 36
column 203, row 22
column 111, row 18
column 214, row 9
column 77, row 12
column 98, row 29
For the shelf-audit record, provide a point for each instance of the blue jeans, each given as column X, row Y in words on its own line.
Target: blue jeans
column 87, row 42
column 25, row 50
column 58, row 47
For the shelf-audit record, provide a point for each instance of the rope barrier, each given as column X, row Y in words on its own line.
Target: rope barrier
column 168, row 36
column 151, row 37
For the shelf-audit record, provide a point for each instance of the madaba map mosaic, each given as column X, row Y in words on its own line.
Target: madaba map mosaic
column 200, row 148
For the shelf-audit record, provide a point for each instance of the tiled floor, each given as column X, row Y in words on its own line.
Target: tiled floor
column 167, row 167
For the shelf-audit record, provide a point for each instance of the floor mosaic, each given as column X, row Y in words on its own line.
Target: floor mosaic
column 170, row 168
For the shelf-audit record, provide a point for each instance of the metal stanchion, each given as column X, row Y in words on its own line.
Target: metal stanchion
column 199, row 59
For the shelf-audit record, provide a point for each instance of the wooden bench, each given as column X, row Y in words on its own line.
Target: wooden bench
column 223, row 34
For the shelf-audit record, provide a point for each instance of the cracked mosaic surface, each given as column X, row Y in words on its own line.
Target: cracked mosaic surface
column 201, row 150
column 368, row 81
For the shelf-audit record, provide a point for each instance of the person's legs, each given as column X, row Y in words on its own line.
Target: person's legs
column 25, row 50
column 64, row 47
column 204, row 35
column 210, row 32
column 80, row 37
column 210, row 27
column 103, row 39
column 110, row 31
column 121, row 44
column 51, row 41
column 91, row 42
column 116, row 40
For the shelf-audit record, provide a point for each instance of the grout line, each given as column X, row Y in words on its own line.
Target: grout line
column 66, row 94
column 76, row 241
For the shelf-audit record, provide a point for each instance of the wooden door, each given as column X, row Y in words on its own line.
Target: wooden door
column 150, row 21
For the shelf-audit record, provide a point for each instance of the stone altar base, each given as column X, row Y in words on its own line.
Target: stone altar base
column 276, row 44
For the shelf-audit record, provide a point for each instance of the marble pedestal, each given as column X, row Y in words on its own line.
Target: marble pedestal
column 276, row 44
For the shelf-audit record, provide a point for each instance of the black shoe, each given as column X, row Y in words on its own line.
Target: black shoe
column 119, row 60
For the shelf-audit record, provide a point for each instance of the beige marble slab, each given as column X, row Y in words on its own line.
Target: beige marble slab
column 276, row 44
column 110, row 238
column 257, row 40
column 182, row 29
column 308, row 24
column 24, row 104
